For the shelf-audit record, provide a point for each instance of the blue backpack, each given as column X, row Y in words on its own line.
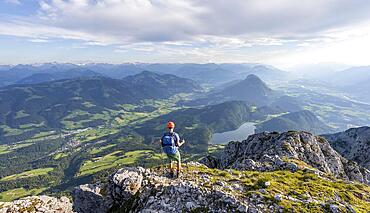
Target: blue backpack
column 169, row 144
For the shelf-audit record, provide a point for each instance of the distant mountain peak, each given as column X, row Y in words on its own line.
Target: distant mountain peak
column 252, row 89
column 253, row 77
column 255, row 80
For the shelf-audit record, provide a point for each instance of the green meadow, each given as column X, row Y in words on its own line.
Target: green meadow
column 28, row 174
column 117, row 158
column 19, row 193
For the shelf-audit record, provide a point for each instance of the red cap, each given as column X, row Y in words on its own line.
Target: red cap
column 170, row 125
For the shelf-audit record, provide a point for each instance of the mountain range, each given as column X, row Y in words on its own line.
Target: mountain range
column 12, row 74
column 47, row 104
column 53, row 76
column 210, row 74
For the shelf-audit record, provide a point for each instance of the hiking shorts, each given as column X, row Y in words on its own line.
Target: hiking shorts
column 174, row 157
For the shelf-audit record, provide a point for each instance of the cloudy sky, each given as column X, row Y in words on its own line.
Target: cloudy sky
column 277, row 32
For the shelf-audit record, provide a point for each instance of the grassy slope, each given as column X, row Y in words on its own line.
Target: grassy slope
column 19, row 193
column 117, row 158
column 4, row 149
column 28, row 174
column 294, row 188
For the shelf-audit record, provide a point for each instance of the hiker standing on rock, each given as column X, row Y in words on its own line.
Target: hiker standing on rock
column 170, row 143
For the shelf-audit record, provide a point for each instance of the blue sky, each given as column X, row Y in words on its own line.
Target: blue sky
column 280, row 32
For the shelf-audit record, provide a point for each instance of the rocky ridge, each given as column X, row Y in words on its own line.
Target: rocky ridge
column 143, row 190
column 202, row 189
column 276, row 151
column 353, row 144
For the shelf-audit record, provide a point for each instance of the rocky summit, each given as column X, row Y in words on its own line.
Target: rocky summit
column 202, row 189
column 144, row 190
column 277, row 151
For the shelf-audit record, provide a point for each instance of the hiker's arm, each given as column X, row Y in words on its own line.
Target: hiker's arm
column 181, row 142
column 178, row 141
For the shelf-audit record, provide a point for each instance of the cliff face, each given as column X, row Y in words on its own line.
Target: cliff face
column 274, row 151
column 353, row 144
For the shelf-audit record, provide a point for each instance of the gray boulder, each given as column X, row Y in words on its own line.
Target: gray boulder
column 37, row 204
column 125, row 183
column 91, row 196
column 121, row 187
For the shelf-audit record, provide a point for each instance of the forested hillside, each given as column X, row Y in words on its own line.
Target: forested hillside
column 26, row 110
column 301, row 121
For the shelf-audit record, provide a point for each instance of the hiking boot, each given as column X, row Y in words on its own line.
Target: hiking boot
column 171, row 174
column 178, row 175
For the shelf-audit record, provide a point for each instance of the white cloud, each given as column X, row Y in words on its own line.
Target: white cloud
column 38, row 40
column 172, row 20
column 126, row 20
column 222, row 30
column 347, row 46
column 21, row 28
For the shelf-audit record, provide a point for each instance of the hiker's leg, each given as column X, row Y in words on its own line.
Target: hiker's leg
column 178, row 159
column 171, row 170
column 178, row 166
column 171, row 166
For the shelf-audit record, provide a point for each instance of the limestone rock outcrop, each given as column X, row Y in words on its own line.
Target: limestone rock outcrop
column 353, row 144
column 143, row 190
column 278, row 151
column 36, row 204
